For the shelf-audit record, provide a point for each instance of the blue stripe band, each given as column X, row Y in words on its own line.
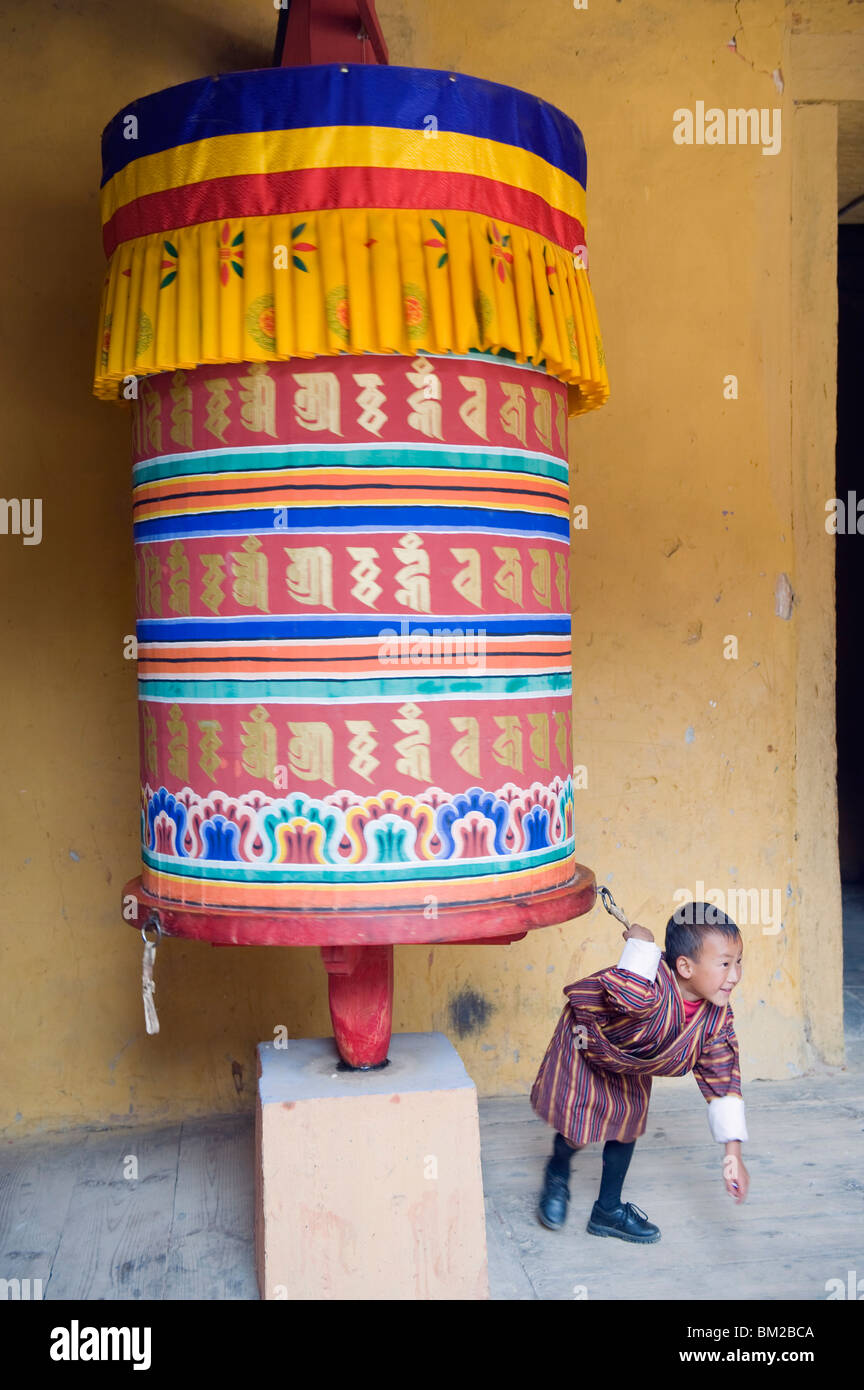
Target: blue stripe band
column 239, row 103
column 512, row 463
column 358, row 519
column 267, row 627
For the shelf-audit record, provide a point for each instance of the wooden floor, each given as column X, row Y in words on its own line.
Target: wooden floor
column 183, row 1228
column 802, row 1225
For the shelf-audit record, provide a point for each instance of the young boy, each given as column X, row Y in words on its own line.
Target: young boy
column 643, row 1017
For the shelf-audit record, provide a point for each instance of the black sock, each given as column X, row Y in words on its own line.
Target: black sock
column 561, row 1155
column 616, row 1161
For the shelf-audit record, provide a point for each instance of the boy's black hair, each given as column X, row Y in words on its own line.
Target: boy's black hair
column 689, row 925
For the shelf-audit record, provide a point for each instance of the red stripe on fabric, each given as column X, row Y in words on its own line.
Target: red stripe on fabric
column 305, row 190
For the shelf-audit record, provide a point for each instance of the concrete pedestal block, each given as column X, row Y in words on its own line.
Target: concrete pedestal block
column 368, row 1183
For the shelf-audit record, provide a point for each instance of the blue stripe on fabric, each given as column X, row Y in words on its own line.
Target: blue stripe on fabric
column 302, row 97
column 359, row 519
column 264, row 627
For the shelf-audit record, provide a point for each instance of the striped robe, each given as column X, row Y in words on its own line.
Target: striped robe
column 620, row 1028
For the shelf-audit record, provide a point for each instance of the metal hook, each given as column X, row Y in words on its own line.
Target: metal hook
column 612, row 907
column 152, row 921
column 607, row 899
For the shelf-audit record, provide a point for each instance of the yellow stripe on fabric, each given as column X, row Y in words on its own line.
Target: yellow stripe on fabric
column 211, row 506
column 330, row 147
column 469, row 480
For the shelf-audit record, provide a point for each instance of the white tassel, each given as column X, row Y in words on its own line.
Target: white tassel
column 148, row 985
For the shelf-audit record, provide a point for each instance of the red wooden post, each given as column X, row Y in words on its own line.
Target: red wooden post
column 361, row 1001
column 329, row 31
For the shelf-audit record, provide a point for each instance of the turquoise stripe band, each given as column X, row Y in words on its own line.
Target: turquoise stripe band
column 559, row 683
column 405, row 873
column 280, row 459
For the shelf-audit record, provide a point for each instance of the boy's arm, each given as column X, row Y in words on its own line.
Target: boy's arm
column 718, row 1076
column 631, row 986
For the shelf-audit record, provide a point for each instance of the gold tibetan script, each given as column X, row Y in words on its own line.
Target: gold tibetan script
column 310, row 752
column 512, row 413
column 258, row 394
column 414, row 575
column 538, row 740
column 309, row 576
column 466, row 750
column 209, row 745
column 152, row 403
column 212, row 595
column 362, row 748
column 468, row 581
column 364, row 574
column 413, row 750
column 152, row 582
column 562, row 739
column 250, row 576
column 370, row 399
column 541, row 577
column 259, row 744
column 507, row 748
column 149, row 724
column 178, row 744
column 561, row 584
column 216, row 419
column 561, row 424
column 178, row 583
column 426, row 414
column 508, row 579
column 316, row 401
column 181, row 414
column 543, row 415
column 473, row 411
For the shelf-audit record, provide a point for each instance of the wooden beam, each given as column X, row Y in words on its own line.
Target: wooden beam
column 329, row 31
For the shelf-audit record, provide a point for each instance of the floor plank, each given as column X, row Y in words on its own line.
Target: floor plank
column 211, row 1252
column 36, row 1184
column 115, row 1237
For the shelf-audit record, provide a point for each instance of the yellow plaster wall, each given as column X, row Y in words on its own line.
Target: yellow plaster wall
column 692, row 502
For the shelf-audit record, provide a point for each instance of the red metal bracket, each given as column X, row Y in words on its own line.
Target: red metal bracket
column 329, row 31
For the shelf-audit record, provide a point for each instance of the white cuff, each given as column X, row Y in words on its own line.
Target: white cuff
column 726, row 1119
column 640, row 958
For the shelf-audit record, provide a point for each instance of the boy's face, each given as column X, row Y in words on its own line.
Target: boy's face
column 717, row 971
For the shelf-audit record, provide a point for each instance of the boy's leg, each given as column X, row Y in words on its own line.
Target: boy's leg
column 611, row 1216
column 616, row 1161
column 552, row 1208
column 562, row 1153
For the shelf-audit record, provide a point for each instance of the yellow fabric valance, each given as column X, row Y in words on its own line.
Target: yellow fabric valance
column 271, row 288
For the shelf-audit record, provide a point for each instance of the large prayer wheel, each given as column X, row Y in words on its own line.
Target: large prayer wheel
column 351, row 307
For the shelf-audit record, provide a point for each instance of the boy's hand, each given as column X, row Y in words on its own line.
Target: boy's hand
column 638, row 933
column 735, row 1175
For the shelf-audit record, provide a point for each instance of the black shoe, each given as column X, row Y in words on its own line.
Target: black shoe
column 552, row 1209
column 624, row 1221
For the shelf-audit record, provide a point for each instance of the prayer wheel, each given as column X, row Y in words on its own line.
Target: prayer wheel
column 351, row 308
